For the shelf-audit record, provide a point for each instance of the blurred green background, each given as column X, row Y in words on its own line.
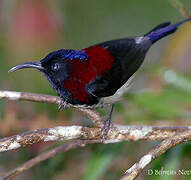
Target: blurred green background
column 160, row 94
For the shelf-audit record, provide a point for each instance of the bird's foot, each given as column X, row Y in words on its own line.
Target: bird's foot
column 62, row 104
column 105, row 129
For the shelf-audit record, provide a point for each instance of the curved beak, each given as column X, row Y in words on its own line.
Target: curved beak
column 35, row 64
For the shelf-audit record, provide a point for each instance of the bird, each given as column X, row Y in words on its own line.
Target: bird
column 100, row 74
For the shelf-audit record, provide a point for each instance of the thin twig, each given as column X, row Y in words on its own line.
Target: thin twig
column 161, row 148
column 44, row 156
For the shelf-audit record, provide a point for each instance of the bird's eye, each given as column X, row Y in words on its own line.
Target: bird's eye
column 55, row 67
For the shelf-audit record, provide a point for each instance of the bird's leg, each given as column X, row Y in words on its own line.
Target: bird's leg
column 62, row 104
column 106, row 126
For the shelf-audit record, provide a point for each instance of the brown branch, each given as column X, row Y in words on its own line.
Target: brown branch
column 117, row 133
column 12, row 95
column 44, row 156
column 161, row 148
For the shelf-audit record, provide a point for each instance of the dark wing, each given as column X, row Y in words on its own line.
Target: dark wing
column 128, row 56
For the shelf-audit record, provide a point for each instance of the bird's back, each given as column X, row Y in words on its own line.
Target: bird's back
column 128, row 55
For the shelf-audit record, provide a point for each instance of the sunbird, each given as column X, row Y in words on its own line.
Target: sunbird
column 100, row 74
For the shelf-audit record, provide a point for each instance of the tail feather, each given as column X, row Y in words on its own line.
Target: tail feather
column 159, row 27
column 163, row 30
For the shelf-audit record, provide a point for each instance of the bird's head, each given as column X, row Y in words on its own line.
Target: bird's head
column 55, row 66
